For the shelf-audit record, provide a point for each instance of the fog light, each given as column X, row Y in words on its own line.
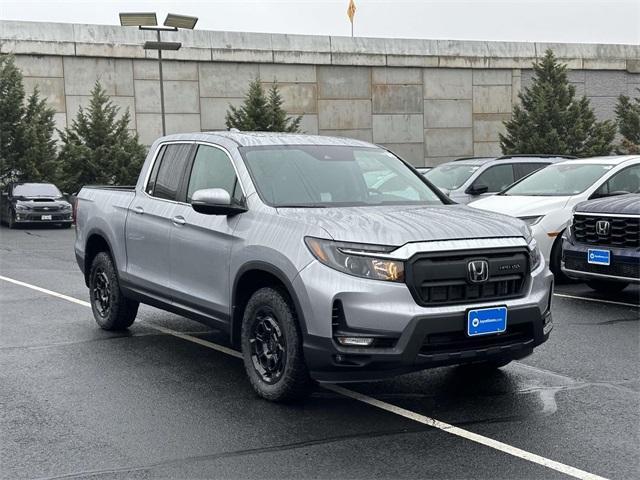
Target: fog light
column 355, row 341
column 547, row 328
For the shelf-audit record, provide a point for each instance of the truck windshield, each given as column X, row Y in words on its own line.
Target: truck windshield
column 36, row 190
column 563, row 179
column 325, row 176
column 450, row 176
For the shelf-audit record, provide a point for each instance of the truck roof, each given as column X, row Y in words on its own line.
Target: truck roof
column 255, row 139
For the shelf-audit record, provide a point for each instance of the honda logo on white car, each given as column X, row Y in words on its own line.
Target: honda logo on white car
column 603, row 227
column 478, row 271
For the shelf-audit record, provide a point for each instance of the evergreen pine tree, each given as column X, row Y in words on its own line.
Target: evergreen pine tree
column 11, row 113
column 550, row 120
column 628, row 120
column 39, row 159
column 280, row 122
column 260, row 112
column 98, row 148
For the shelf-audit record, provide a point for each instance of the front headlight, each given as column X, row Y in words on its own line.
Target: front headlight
column 66, row 207
column 535, row 257
column 356, row 259
column 532, row 220
column 21, row 208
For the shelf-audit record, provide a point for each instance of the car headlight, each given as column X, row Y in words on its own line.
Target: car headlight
column 535, row 257
column 356, row 259
column 532, row 220
column 66, row 207
column 21, row 208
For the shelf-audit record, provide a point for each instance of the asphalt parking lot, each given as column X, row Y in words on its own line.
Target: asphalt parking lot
column 163, row 401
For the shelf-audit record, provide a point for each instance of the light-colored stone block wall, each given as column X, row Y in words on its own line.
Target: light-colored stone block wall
column 428, row 101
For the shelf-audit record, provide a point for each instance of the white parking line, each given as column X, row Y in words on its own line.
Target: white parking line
column 597, row 300
column 432, row 422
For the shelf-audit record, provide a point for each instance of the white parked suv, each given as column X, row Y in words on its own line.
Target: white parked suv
column 545, row 199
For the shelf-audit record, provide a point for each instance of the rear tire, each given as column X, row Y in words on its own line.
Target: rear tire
column 607, row 286
column 272, row 347
column 111, row 309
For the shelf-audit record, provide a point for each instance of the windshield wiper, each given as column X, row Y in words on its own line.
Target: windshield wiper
column 300, row 206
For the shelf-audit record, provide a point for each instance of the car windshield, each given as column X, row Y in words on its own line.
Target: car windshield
column 450, row 175
column 324, row 176
column 564, row 179
column 36, row 190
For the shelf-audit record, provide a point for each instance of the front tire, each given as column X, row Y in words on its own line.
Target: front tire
column 111, row 309
column 607, row 286
column 11, row 221
column 555, row 260
column 272, row 347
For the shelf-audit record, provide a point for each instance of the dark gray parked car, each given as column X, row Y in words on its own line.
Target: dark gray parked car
column 34, row 203
column 322, row 258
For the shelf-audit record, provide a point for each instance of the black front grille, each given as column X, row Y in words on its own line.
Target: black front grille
column 622, row 232
column 459, row 341
column 38, row 217
column 628, row 268
column 46, row 209
column 443, row 278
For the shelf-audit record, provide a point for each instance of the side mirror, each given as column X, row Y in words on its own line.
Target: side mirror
column 477, row 189
column 215, row 201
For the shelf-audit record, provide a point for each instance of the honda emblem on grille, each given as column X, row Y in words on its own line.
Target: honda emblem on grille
column 603, row 227
column 478, row 271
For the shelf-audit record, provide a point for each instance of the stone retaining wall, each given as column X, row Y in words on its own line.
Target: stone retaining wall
column 427, row 100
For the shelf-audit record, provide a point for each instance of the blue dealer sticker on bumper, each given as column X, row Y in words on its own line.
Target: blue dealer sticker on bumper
column 485, row 321
column 599, row 257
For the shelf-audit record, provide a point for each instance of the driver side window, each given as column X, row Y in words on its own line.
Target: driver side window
column 212, row 168
column 496, row 178
column 625, row 181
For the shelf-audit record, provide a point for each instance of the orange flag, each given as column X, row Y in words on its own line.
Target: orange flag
column 351, row 10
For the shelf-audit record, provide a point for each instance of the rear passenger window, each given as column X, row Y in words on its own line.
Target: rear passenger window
column 154, row 172
column 170, row 170
column 212, row 168
column 521, row 170
column 496, row 178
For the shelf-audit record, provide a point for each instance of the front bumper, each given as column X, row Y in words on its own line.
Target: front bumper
column 624, row 263
column 415, row 337
column 31, row 217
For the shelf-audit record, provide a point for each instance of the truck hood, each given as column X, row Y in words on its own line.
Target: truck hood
column 397, row 225
column 520, row 206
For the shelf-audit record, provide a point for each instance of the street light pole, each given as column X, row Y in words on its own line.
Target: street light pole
column 164, row 126
column 147, row 21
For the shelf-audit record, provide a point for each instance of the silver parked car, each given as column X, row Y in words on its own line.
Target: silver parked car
column 322, row 258
column 472, row 178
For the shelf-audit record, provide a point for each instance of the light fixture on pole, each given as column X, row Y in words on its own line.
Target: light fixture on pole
column 149, row 21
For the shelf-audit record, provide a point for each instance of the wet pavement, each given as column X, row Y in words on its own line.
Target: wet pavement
column 79, row 402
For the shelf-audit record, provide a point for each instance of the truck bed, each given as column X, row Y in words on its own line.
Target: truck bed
column 104, row 209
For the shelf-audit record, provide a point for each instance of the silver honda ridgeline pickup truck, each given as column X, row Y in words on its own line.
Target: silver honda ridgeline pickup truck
column 324, row 259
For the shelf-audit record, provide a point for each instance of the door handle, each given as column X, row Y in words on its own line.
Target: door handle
column 138, row 210
column 178, row 220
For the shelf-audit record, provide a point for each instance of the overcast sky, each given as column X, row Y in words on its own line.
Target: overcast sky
column 582, row 21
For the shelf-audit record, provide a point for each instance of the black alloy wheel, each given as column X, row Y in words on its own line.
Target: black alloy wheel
column 268, row 346
column 101, row 292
